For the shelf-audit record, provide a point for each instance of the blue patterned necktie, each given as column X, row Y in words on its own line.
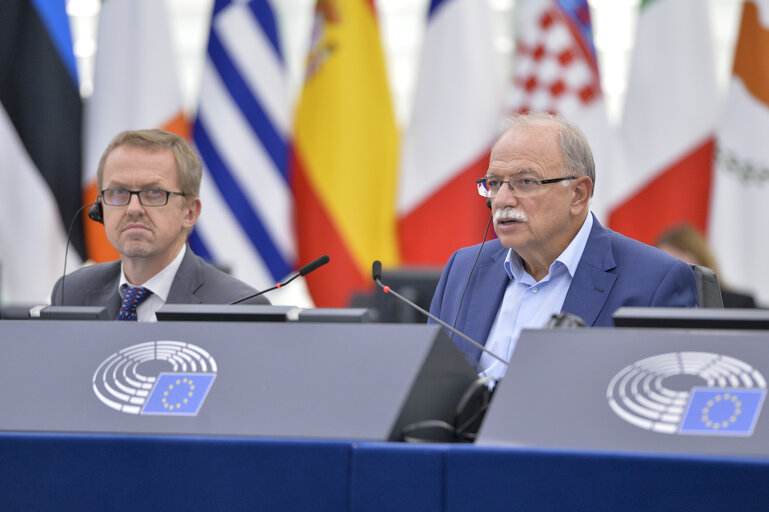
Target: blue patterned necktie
column 132, row 297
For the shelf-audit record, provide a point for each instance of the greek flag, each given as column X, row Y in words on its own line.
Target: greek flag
column 241, row 133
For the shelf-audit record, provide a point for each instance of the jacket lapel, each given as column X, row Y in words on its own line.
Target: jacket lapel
column 592, row 282
column 484, row 296
column 188, row 279
column 106, row 293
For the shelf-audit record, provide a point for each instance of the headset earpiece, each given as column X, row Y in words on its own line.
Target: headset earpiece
column 95, row 212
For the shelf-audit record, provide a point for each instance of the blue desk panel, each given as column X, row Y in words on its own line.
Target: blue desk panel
column 47, row 472
column 58, row 472
column 513, row 479
column 397, row 477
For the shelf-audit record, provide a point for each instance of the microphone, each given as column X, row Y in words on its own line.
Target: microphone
column 376, row 273
column 311, row 266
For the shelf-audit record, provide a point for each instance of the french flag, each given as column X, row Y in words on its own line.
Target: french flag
column 458, row 113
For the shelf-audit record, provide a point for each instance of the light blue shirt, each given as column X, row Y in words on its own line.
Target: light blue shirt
column 529, row 304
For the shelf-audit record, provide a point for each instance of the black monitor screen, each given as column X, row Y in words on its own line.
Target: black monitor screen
column 416, row 284
column 692, row 318
column 258, row 313
column 74, row 313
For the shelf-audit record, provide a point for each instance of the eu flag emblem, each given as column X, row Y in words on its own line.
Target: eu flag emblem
column 179, row 393
column 722, row 411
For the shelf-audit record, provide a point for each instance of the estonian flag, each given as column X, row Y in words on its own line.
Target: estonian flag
column 40, row 147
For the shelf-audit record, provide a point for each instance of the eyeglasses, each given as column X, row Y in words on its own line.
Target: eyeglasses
column 147, row 197
column 521, row 186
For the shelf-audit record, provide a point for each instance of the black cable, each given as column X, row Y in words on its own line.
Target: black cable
column 477, row 256
column 475, row 363
column 66, row 248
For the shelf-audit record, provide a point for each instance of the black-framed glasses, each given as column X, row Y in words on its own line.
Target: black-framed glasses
column 520, row 185
column 147, row 197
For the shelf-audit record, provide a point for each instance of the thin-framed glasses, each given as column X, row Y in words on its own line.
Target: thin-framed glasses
column 519, row 185
column 147, row 197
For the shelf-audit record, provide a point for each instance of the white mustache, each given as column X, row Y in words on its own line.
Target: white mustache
column 509, row 213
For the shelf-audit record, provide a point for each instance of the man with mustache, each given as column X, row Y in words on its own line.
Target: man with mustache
column 148, row 183
column 551, row 254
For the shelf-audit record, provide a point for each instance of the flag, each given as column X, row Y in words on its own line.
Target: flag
column 241, row 134
column 344, row 157
column 668, row 123
column 556, row 71
column 722, row 411
column 135, row 87
column 741, row 189
column 40, row 155
column 179, row 394
column 458, row 112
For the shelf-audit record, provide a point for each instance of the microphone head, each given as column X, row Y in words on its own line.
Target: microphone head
column 314, row 264
column 376, row 270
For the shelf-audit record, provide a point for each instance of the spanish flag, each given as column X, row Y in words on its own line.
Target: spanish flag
column 344, row 155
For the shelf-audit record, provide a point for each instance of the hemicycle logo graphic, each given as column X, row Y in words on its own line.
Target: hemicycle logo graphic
column 689, row 393
column 156, row 377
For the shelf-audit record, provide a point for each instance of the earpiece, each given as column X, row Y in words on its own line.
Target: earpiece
column 488, row 203
column 95, row 212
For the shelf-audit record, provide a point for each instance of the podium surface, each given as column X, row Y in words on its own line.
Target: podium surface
column 634, row 390
column 336, row 381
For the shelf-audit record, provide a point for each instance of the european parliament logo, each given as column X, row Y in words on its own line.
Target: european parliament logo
column 156, row 378
column 689, row 393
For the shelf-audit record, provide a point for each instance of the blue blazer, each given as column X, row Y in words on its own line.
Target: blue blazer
column 614, row 271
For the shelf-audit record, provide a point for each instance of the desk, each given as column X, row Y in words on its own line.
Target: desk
column 94, row 472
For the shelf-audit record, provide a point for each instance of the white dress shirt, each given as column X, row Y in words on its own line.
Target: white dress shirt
column 159, row 285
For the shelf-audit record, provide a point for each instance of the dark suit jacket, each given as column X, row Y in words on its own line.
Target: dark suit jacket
column 196, row 282
column 614, row 271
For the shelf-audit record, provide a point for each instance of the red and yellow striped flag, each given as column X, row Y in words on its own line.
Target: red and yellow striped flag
column 344, row 157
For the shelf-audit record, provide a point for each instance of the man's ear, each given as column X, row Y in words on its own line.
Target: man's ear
column 583, row 188
column 192, row 212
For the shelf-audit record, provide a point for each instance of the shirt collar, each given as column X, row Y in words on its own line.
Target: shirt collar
column 569, row 257
column 160, row 283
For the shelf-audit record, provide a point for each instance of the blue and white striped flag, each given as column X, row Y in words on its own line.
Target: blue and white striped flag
column 241, row 133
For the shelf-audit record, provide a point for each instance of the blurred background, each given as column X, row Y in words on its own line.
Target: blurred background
column 356, row 128
column 402, row 25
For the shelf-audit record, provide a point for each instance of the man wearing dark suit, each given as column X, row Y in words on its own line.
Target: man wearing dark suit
column 551, row 254
column 149, row 182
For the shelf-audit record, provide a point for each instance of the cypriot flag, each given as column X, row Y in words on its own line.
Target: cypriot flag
column 740, row 204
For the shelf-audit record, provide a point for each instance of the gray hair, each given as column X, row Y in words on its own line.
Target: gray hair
column 575, row 149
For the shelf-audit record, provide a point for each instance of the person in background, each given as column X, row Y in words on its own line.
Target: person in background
column 148, row 183
column 687, row 244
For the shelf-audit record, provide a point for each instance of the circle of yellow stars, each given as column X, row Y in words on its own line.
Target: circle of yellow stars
column 179, row 382
column 726, row 398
